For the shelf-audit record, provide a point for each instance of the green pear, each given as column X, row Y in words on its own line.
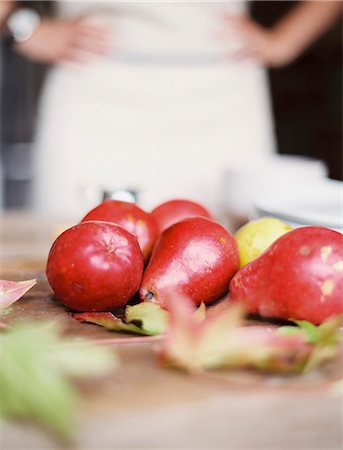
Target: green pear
column 256, row 236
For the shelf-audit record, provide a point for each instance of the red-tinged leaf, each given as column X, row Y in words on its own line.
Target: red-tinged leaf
column 11, row 291
column 126, row 340
column 108, row 321
column 3, row 326
column 183, row 333
column 266, row 349
column 192, row 343
column 144, row 318
column 221, row 340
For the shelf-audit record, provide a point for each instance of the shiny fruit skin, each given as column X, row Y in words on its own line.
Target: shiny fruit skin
column 196, row 258
column 95, row 266
column 129, row 216
column 300, row 277
column 176, row 210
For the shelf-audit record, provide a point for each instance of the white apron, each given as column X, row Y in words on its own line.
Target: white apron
column 166, row 113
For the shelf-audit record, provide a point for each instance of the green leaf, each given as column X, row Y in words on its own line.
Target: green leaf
column 288, row 330
column 326, row 344
column 151, row 317
column 109, row 321
column 34, row 367
column 310, row 330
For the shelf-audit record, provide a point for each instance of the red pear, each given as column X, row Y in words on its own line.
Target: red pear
column 131, row 217
column 196, row 257
column 174, row 211
column 300, row 276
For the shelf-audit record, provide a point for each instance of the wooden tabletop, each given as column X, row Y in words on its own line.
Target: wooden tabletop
column 145, row 405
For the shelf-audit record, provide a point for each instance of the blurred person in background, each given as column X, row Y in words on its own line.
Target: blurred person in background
column 156, row 96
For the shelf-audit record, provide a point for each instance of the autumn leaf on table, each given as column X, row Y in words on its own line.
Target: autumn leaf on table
column 149, row 316
column 324, row 339
column 35, row 366
column 108, row 321
column 11, row 291
column 147, row 319
column 221, row 340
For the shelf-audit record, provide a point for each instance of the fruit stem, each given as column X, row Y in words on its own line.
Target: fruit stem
column 149, row 296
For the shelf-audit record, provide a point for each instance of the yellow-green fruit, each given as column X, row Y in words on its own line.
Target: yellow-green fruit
column 256, row 236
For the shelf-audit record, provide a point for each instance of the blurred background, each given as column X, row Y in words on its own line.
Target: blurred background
column 305, row 96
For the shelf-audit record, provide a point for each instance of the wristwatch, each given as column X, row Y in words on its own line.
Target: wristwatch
column 21, row 24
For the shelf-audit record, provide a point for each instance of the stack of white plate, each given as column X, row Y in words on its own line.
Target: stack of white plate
column 318, row 202
column 259, row 179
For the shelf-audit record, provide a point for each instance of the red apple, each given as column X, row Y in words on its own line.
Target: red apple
column 95, row 266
